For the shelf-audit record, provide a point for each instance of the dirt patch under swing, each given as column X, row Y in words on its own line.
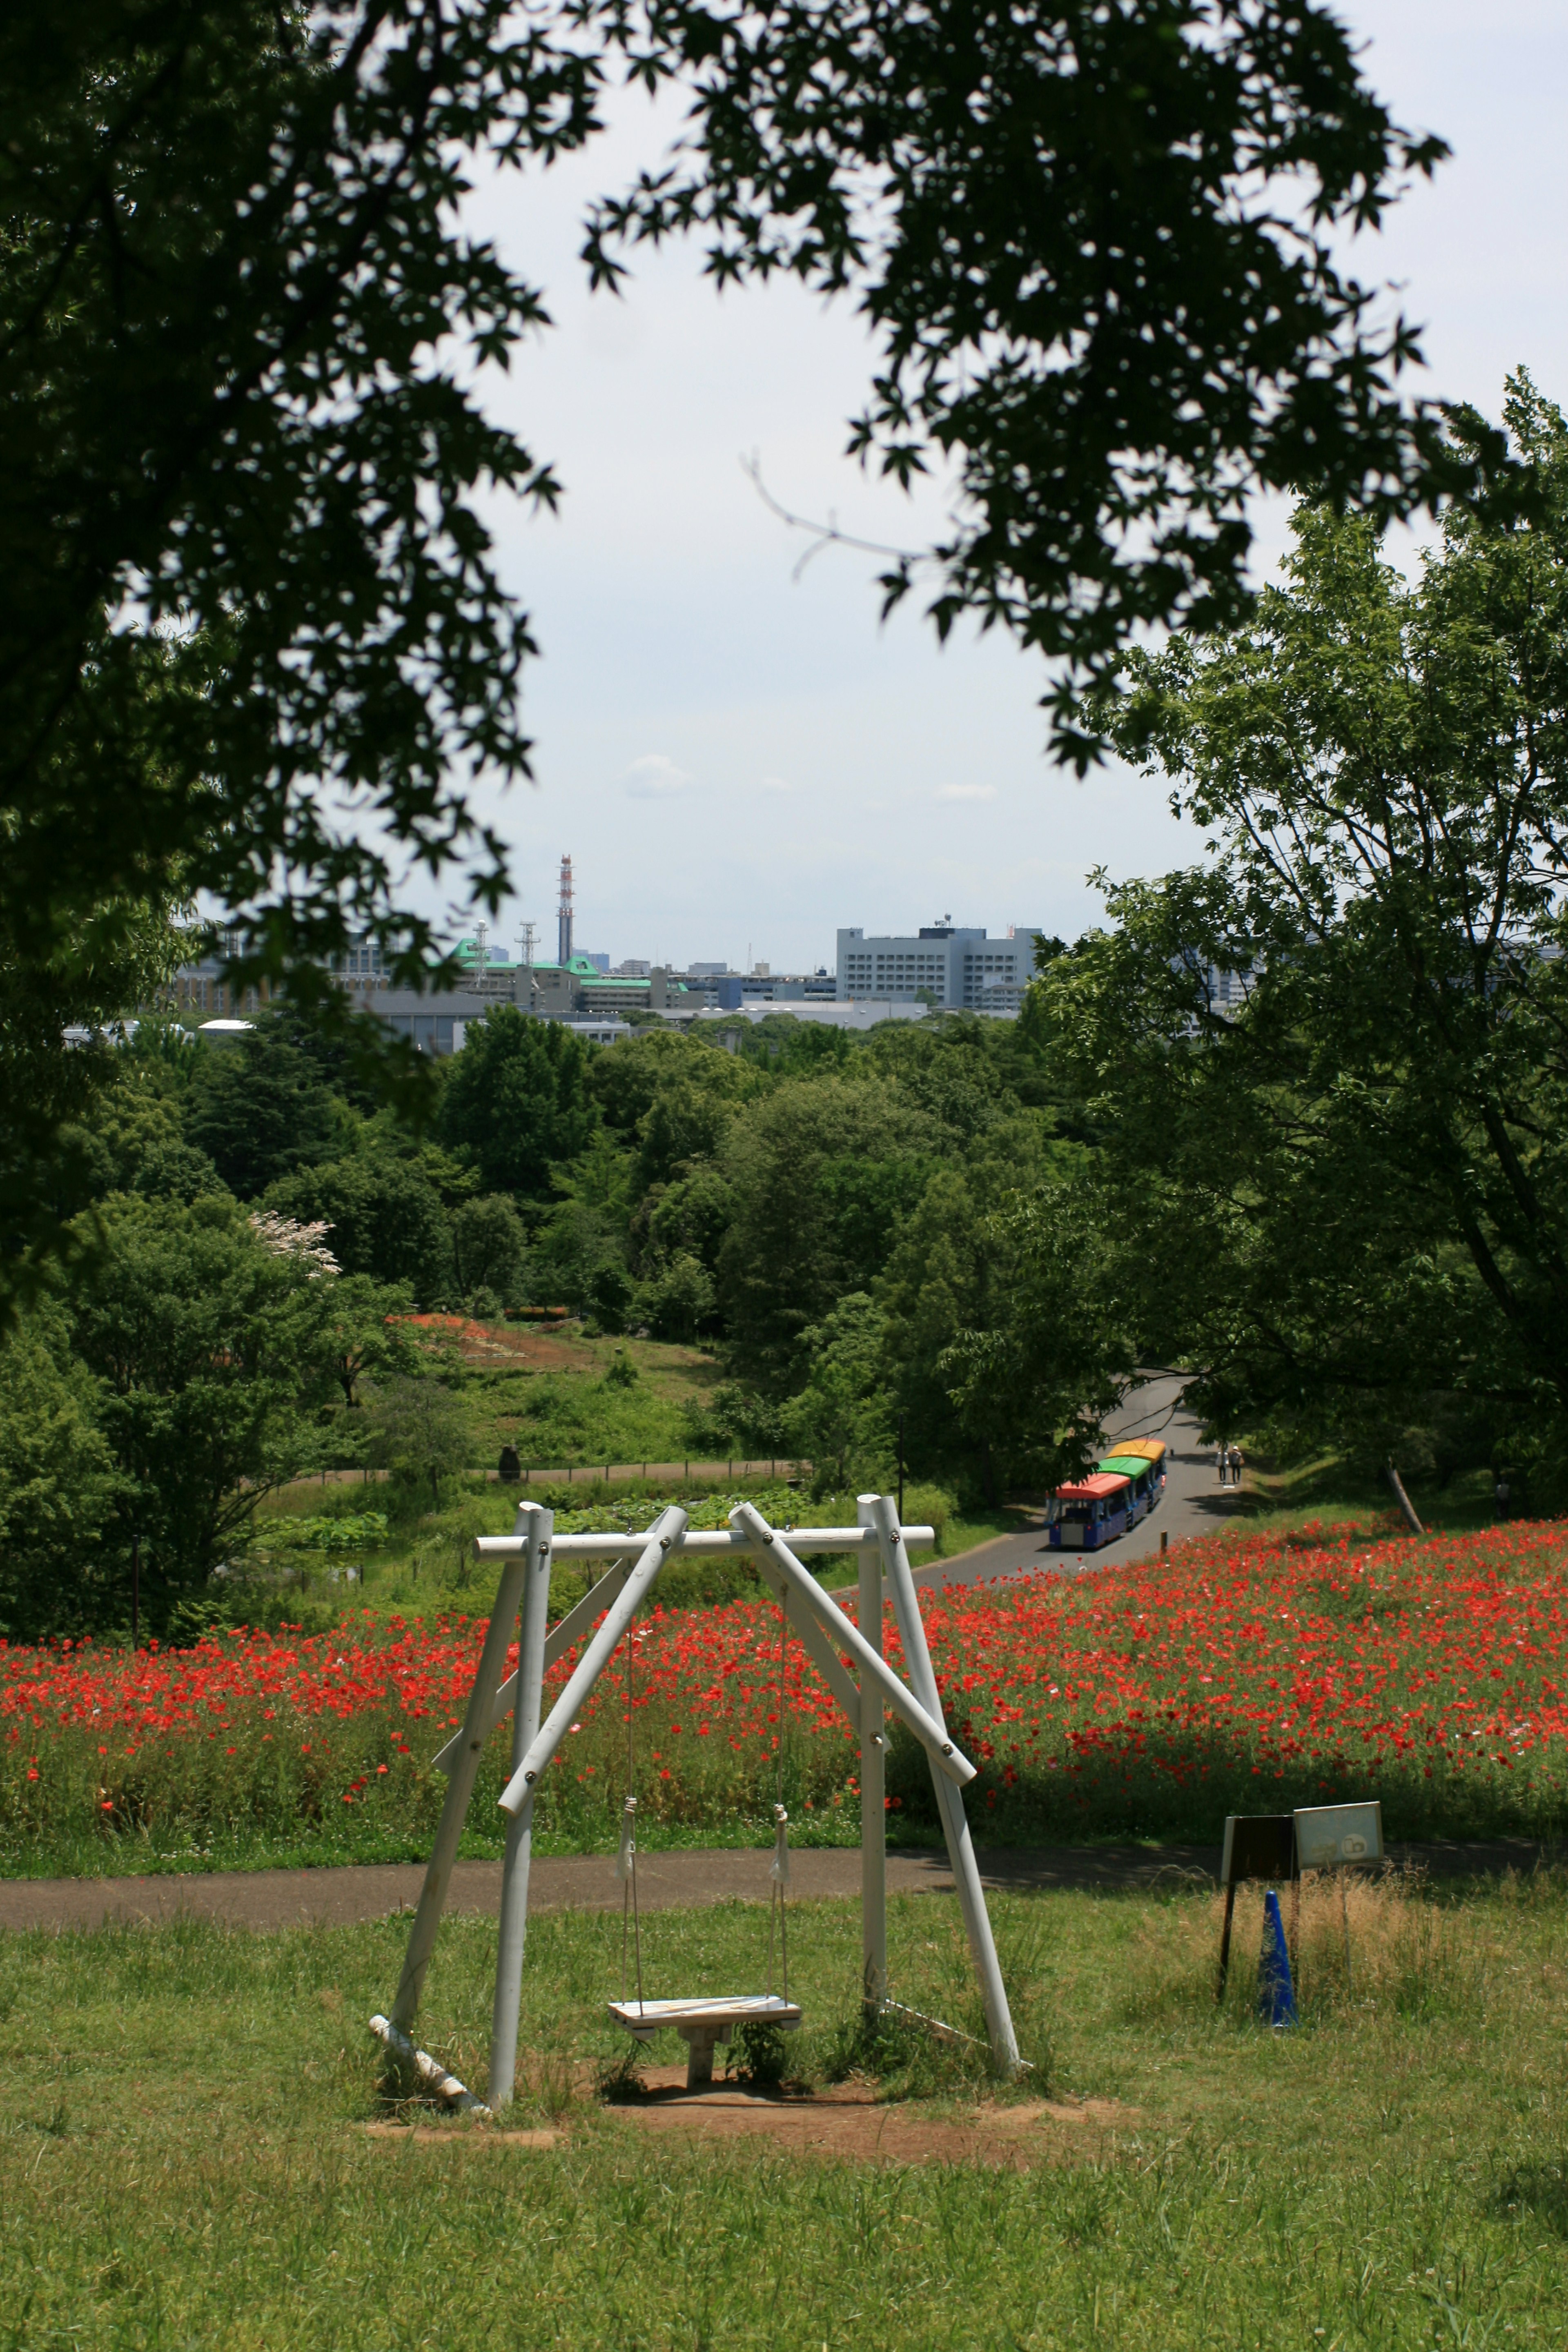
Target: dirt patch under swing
column 849, row 2121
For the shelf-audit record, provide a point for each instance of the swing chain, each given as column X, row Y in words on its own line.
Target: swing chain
column 778, row 1912
column 628, row 1862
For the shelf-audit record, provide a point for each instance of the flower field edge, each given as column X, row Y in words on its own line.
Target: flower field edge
column 1236, row 1674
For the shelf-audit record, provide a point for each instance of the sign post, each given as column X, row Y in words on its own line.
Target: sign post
column 1257, row 1845
column 1340, row 1838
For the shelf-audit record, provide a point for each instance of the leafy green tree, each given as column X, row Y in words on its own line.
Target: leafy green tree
column 578, row 1260
column 142, row 1134
column 1031, row 1389
column 687, row 1218
column 231, row 269
column 420, row 1428
column 1350, row 1177
column 261, row 1110
column 385, row 1220
column 365, row 1335
column 785, row 1046
column 813, row 1214
column 489, row 1247
column 60, row 1068
column 234, row 266
column 678, row 1302
column 57, row 1488
column 209, row 1349
column 841, row 1421
column 517, row 1102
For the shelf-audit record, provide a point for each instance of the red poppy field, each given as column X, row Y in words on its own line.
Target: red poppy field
column 1149, row 1700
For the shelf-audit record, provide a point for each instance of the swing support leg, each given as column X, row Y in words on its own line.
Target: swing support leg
column 873, row 1793
column 537, row 1527
column 464, row 1771
column 950, row 1804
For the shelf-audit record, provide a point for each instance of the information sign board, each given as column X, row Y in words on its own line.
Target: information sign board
column 1334, row 1837
column 1258, row 1845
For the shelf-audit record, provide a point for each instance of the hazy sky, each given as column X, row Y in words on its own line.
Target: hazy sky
column 740, row 762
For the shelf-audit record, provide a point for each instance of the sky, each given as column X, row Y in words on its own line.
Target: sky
column 740, row 757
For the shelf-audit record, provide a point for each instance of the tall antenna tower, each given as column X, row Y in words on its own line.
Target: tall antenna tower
column 563, row 920
column 525, row 942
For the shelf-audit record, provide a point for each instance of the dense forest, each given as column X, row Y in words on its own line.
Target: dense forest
column 251, row 1234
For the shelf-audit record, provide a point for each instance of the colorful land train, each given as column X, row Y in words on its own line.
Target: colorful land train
column 1089, row 1513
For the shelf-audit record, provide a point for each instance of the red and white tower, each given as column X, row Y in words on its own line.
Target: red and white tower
column 564, row 919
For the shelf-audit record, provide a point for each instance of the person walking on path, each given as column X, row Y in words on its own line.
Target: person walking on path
column 1236, row 1466
column 1224, row 1459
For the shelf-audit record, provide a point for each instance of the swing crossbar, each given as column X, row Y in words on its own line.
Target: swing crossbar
column 697, row 1539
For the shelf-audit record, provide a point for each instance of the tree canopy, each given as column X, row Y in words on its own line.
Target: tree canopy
column 1353, row 1175
column 252, row 640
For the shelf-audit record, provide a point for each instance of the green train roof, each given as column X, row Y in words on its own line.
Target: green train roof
column 1126, row 1465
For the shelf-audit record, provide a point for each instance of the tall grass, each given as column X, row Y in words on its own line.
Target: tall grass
column 182, row 2160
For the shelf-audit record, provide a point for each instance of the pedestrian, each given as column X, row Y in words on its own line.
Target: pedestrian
column 1501, row 1495
column 1223, row 1458
column 1236, row 1466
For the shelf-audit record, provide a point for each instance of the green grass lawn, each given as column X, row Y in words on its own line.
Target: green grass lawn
column 1324, row 1490
column 183, row 2163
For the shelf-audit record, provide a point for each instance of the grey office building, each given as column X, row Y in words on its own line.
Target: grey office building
column 958, row 970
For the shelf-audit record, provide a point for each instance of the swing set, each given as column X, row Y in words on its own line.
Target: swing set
column 605, row 1613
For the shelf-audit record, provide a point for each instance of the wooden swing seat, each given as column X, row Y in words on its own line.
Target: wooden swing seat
column 704, row 2024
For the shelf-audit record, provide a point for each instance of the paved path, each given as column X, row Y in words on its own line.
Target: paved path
column 348, row 1895
column 1194, row 1504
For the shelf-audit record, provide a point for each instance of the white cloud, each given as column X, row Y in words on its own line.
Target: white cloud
column 966, row 791
column 774, row 784
column 655, row 778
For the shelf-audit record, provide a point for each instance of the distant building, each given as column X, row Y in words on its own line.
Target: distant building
column 949, row 966
column 727, row 1027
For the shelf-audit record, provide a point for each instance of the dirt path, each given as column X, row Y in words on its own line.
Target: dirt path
column 346, row 1895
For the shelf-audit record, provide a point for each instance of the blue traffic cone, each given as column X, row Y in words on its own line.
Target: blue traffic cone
column 1276, row 1994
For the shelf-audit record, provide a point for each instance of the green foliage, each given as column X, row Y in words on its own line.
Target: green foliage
column 57, row 1490
column 365, row 1332
column 248, row 581
column 210, row 1351
column 799, row 1236
column 386, row 1220
column 517, row 1102
column 489, row 1248
column 840, row 1420
column 678, row 1299
column 231, row 263
column 260, row 1110
column 56, row 1093
column 417, row 1427
column 346, row 1531
column 1108, row 361
column 1350, row 1180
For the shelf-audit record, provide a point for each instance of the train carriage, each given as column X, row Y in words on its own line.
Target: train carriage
column 1125, row 1487
column 1087, row 1513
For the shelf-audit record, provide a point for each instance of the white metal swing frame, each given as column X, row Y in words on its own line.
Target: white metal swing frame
column 828, row 1635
